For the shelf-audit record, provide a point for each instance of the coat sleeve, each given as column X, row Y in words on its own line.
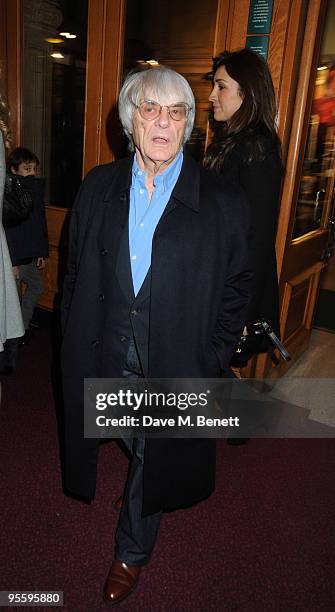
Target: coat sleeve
column 261, row 182
column 235, row 299
column 70, row 277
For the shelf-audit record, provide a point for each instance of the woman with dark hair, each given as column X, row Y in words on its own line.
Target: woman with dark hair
column 246, row 150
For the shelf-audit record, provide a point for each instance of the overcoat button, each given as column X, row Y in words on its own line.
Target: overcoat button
column 95, row 342
column 103, row 252
column 101, row 297
column 135, row 311
column 123, row 338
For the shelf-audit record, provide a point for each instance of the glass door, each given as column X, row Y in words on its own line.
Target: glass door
column 53, row 92
column 312, row 164
column 317, row 180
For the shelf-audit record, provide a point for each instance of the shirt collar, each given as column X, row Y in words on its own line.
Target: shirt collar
column 167, row 178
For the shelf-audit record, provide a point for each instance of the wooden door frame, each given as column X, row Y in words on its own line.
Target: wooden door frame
column 11, row 56
column 106, row 27
column 299, row 130
column 307, row 248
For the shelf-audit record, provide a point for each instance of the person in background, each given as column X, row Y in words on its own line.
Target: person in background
column 324, row 107
column 28, row 241
column 246, row 150
column 11, row 325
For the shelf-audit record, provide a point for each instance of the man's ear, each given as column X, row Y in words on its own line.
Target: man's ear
column 13, row 171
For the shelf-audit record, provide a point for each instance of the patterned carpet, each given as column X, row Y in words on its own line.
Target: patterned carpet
column 264, row 541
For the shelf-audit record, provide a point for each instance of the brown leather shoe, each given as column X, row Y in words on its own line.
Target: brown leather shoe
column 118, row 503
column 121, row 581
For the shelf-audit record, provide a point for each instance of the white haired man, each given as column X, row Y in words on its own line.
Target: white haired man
column 157, row 288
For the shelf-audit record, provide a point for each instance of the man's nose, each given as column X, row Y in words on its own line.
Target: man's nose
column 164, row 118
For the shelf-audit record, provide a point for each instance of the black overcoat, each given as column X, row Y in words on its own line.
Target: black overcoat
column 261, row 180
column 199, row 299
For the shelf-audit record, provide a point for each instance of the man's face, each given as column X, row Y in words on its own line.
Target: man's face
column 25, row 169
column 158, row 141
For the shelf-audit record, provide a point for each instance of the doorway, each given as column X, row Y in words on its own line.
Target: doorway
column 309, row 184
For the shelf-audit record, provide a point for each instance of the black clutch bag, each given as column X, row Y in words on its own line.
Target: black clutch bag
column 259, row 339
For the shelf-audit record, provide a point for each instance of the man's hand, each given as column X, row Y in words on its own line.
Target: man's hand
column 16, row 272
column 40, row 263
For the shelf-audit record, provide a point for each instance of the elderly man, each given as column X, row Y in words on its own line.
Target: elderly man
column 156, row 287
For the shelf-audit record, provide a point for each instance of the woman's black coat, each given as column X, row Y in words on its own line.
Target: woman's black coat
column 261, row 180
column 199, row 298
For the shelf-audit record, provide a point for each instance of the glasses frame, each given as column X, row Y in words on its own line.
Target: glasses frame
column 161, row 106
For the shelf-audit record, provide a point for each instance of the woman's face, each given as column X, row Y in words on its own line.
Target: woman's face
column 225, row 96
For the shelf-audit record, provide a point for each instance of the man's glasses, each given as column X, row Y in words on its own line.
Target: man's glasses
column 150, row 110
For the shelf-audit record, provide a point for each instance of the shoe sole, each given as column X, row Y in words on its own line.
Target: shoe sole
column 114, row 603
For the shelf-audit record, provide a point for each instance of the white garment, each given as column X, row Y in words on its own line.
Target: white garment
column 11, row 324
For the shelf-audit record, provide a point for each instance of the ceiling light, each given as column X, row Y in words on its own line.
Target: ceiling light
column 322, row 67
column 57, row 55
column 67, row 35
column 54, row 41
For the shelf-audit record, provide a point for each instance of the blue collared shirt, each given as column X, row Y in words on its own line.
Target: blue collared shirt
column 144, row 215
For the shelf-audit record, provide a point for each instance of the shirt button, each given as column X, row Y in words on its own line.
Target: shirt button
column 141, row 224
column 134, row 256
column 140, row 173
column 141, row 191
column 101, row 297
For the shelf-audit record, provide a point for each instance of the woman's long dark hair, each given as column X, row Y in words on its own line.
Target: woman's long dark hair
column 257, row 113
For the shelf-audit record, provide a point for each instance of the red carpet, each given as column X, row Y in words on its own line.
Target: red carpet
column 264, row 541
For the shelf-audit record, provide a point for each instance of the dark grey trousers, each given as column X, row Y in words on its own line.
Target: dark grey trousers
column 135, row 536
column 29, row 274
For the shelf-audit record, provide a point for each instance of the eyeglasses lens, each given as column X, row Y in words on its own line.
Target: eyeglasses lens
column 151, row 110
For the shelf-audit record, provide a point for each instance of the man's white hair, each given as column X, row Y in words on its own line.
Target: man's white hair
column 159, row 82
